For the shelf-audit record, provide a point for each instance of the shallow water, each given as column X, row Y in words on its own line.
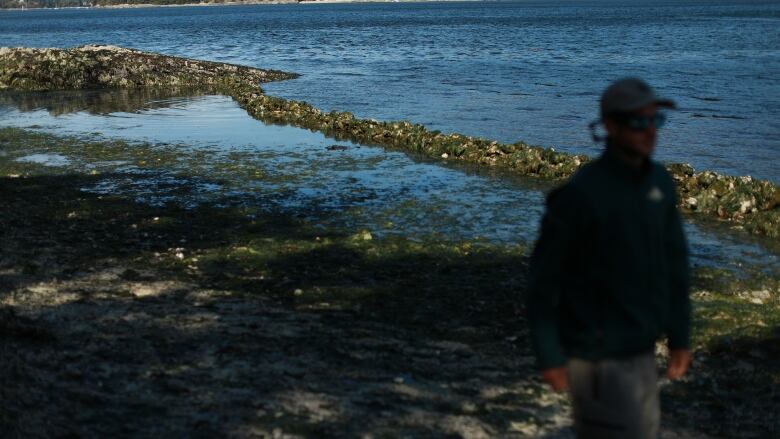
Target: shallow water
column 519, row 70
column 366, row 187
column 354, row 186
column 55, row 160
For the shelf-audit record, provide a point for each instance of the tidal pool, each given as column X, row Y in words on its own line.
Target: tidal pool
column 210, row 140
column 55, row 160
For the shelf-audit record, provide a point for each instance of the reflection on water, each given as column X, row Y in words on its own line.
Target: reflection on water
column 45, row 159
column 208, row 138
column 96, row 102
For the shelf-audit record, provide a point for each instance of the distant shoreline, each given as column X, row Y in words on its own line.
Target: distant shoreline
column 233, row 3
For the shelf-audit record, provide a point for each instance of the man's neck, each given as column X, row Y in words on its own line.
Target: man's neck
column 635, row 161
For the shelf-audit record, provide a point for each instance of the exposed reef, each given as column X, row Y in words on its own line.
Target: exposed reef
column 109, row 66
column 747, row 203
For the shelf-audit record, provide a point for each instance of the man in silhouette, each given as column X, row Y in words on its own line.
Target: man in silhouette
column 609, row 276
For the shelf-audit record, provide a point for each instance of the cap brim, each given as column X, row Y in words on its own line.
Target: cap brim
column 649, row 100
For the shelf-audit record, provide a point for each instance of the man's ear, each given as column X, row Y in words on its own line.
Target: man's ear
column 611, row 126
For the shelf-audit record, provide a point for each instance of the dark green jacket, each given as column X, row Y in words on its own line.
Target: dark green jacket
column 609, row 273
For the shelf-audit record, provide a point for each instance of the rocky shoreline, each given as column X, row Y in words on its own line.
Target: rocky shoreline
column 747, row 203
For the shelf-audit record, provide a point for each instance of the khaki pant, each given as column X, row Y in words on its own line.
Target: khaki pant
column 615, row 398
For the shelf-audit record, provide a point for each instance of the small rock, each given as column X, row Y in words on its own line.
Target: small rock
column 755, row 353
column 365, row 235
column 154, row 288
column 468, row 407
column 144, row 290
column 745, row 366
column 525, row 428
column 760, row 294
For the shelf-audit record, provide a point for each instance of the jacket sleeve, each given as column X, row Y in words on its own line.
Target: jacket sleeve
column 679, row 323
column 546, row 271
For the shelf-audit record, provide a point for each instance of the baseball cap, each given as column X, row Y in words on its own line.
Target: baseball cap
column 628, row 94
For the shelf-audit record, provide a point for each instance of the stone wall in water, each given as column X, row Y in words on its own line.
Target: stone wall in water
column 743, row 201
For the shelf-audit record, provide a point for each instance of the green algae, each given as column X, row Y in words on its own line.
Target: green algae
column 730, row 305
column 95, row 155
column 753, row 205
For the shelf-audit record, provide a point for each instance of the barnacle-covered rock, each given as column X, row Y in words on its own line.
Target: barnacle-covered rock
column 111, row 66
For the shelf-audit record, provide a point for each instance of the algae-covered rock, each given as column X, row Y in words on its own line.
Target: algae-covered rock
column 110, row 66
column 753, row 204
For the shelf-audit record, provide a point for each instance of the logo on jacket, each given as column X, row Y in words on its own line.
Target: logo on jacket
column 655, row 194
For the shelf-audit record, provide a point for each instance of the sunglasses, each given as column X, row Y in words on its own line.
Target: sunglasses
column 638, row 122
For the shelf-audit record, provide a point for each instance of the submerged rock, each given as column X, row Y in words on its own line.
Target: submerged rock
column 750, row 203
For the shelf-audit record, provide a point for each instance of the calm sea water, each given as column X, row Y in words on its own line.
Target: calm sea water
column 522, row 70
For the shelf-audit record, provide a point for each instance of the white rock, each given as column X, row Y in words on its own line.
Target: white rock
column 761, row 294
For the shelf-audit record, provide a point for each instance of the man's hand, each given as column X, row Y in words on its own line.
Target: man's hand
column 679, row 361
column 556, row 378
